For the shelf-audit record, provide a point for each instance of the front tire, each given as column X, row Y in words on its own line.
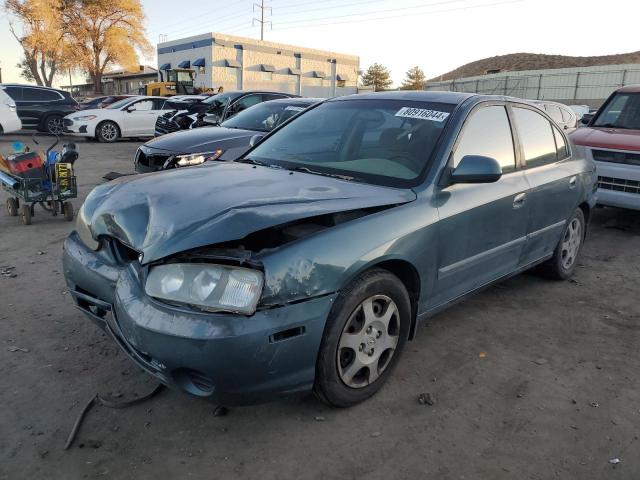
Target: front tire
column 107, row 132
column 565, row 257
column 364, row 336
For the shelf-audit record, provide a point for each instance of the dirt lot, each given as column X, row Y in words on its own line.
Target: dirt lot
column 531, row 379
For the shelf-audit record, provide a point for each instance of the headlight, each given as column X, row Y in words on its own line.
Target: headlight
column 85, row 117
column 197, row 158
column 209, row 287
column 12, row 107
column 82, row 227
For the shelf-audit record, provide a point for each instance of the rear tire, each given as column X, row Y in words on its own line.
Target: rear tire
column 565, row 257
column 67, row 209
column 12, row 207
column 26, row 214
column 54, row 124
column 364, row 336
column 107, row 132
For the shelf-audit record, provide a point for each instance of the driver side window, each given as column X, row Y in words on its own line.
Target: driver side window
column 487, row 132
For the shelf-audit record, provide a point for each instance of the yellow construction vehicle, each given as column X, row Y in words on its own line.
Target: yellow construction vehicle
column 178, row 82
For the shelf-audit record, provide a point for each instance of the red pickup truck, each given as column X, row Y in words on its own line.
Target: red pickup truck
column 612, row 140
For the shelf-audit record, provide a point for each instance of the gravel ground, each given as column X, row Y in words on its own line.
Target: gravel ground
column 532, row 379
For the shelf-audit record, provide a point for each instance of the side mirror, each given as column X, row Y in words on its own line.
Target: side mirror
column 131, row 108
column 211, row 120
column 476, row 169
column 255, row 140
column 586, row 118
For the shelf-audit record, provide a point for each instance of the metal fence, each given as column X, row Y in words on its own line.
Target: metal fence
column 591, row 85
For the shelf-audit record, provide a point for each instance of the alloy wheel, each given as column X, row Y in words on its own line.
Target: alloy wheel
column 571, row 243
column 109, row 132
column 55, row 125
column 368, row 341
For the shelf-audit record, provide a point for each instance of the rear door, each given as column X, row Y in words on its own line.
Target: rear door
column 553, row 178
column 483, row 227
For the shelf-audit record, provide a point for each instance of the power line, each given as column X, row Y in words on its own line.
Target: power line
column 389, row 10
column 311, row 25
column 215, row 11
column 206, row 23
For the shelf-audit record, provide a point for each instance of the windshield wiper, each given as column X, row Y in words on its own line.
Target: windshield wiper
column 324, row 174
column 251, row 161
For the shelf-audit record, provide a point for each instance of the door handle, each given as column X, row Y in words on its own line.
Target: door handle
column 573, row 182
column 518, row 200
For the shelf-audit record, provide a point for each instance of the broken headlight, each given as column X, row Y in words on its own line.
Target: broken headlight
column 209, row 287
column 84, row 232
column 197, row 158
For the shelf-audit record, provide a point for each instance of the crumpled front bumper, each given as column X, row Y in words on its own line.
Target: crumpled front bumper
column 227, row 358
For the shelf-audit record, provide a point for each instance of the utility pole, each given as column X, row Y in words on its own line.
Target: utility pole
column 262, row 21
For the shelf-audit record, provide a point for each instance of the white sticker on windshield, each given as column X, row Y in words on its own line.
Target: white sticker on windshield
column 295, row 109
column 422, row 114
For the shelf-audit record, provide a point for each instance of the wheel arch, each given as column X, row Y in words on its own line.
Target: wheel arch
column 586, row 211
column 406, row 272
column 107, row 120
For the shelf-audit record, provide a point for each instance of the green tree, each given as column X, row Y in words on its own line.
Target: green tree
column 378, row 77
column 414, row 79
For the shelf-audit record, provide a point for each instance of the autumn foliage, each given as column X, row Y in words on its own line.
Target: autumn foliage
column 91, row 36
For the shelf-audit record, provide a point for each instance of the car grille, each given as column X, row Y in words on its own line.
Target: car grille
column 619, row 184
column 164, row 124
column 151, row 161
column 616, row 157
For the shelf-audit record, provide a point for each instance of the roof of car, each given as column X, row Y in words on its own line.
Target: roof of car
column 245, row 92
column 416, row 95
column 630, row 89
column 294, row 100
column 32, row 86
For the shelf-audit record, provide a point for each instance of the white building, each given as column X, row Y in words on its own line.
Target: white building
column 237, row 63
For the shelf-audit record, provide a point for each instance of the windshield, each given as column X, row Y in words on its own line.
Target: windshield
column 120, row 103
column 622, row 111
column 264, row 117
column 387, row 142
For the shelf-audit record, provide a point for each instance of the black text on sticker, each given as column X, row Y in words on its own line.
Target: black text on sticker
column 423, row 114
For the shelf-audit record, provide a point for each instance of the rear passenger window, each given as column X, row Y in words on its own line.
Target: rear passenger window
column 566, row 115
column 30, row 94
column 488, row 133
column 554, row 112
column 536, row 136
column 49, row 96
column 561, row 145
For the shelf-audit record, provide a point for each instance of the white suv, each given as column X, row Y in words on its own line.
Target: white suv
column 9, row 121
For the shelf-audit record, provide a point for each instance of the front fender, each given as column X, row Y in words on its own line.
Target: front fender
column 326, row 262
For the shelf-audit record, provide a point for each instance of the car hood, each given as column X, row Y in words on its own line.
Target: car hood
column 199, row 140
column 164, row 213
column 613, row 138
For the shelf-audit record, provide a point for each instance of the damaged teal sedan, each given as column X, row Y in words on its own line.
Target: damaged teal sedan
column 307, row 264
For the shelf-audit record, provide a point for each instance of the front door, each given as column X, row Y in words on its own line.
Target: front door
column 483, row 227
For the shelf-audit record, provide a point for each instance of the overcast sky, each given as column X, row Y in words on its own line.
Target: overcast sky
column 437, row 35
